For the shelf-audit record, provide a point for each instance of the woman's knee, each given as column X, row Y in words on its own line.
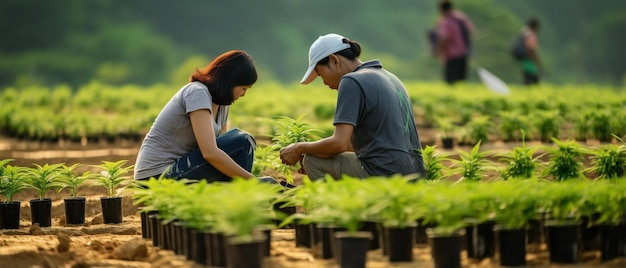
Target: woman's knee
column 239, row 137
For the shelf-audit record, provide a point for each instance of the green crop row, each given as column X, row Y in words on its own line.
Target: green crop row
column 469, row 112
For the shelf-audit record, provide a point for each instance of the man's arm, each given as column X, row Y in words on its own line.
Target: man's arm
column 338, row 143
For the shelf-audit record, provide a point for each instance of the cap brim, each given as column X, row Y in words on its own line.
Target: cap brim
column 309, row 76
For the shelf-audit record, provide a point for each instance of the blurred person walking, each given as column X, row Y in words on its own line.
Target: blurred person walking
column 453, row 42
column 526, row 51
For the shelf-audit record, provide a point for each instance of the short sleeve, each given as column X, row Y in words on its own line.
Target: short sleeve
column 350, row 101
column 196, row 97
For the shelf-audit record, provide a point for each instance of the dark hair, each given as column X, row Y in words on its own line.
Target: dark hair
column 445, row 5
column 351, row 53
column 533, row 23
column 231, row 69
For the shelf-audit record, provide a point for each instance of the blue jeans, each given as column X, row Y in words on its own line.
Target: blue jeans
column 238, row 144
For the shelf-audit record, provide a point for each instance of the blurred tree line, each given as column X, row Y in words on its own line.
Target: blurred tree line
column 161, row 41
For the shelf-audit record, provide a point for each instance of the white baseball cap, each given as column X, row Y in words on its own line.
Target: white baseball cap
column 320, row 49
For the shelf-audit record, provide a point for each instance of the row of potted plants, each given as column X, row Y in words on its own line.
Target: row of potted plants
column 455, row 213
column 43, row 178
column 561, row 160
column 217, row 224
column 341, row 212
column 508, row 127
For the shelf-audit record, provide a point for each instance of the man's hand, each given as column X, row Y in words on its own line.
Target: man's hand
column 290, row 155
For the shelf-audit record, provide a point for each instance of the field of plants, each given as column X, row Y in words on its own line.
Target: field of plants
column 547, row 162
column 468, row 112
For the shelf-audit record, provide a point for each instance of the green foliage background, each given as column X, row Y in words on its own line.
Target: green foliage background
column 161, row 41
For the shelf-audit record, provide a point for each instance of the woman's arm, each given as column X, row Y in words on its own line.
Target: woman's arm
column 201, row 121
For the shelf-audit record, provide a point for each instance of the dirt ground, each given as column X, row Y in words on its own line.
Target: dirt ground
column 120, row 245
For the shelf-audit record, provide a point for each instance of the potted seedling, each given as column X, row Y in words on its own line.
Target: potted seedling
column 520, row 162
column 113, row 179
column 158, row 198
column 608, row 162
column 512, row 126
column 582, row 126
column 563, row 201
column 341, row 209
column 477, row 130
column 42, row 179
column 479, row 235
column 241, row 220
column 303, row 198
column 289, row 131
column 566, row 158
column 398, row 197
column 193, row 220
column 517, row 206
column 433, row 162
column 600, row 124
column 447, row 207
column 605, row 204
column 337, row 208
column 144, row 197
column 446, row 126
column 472, row 165
column 74, row 205
column 11, row 182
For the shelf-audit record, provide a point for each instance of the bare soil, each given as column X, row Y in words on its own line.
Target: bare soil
column 120, row 245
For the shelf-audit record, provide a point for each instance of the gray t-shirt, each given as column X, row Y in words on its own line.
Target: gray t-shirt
column 171, row 135
column 377, row 104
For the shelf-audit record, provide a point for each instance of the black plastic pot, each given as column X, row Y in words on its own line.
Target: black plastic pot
column 154, row 223
column 2, row 214
column 446, row 249
column 590, row 233
column 188, row 234
column 323, row 248
column 10, row 215
column 285, row 211
column 447, row 142
column 179, row 238
column 146, row 226
column 198, row 247
column 400, row 243
column 564, row 241
column 166, row 241
column 218, row 250
column 352, row 248
column 41, row 212
column 480, row 240
column 74, row 210
column 536, row 230
column 111, row 209
column 248, row 254
column 511, row 246
column 267, row 241
column 420, row 231
column 372, row 228
column 612, row 241
column 303, row 235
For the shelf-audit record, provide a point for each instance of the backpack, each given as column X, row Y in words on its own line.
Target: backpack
column 518, row 49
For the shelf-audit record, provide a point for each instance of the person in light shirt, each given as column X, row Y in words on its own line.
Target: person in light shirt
column 190, row 138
